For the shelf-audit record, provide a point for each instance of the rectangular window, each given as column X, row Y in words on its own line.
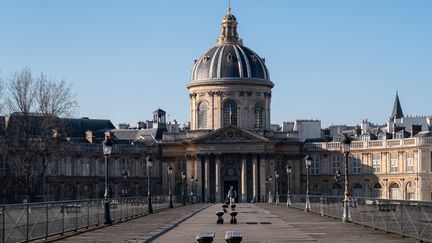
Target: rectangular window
column 315, row 167
column 376, row 163
column 394, row 163
column 336, row 162
column 356, row 164
column 409, row 162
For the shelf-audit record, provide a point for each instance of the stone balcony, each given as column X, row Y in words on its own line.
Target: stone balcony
column 375, row 144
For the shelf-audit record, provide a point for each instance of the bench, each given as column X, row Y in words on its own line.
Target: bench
column 233, row 217
column 220, row 219
column 233, row 236
column 205, row 236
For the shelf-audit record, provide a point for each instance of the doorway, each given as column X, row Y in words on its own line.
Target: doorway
column 227, row 185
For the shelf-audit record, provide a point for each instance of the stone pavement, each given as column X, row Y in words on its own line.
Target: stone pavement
column 257, row 222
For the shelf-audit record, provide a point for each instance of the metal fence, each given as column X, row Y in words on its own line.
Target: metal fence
column 32, row 221
column 408, row 218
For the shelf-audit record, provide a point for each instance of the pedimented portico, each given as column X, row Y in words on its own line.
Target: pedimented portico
column 229, row 156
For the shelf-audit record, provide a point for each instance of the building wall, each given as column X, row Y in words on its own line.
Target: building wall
column 405, row 170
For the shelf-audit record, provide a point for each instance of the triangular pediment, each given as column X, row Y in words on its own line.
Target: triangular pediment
column 230, row 134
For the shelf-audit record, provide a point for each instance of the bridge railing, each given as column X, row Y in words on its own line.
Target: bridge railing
column 33, row 221
column 405, row 217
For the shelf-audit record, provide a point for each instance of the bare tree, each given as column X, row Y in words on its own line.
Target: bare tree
column 35, row 107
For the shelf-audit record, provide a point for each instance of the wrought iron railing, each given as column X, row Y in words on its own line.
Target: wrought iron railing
column 408, row 218
column 32, row 221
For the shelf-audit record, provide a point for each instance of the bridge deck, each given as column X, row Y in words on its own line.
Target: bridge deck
column 258, row 223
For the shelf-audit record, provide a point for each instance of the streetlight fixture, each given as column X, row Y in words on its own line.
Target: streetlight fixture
column 107, row 149
column 276, row 187
column 170, row 171
column 308, row 161
column 184, row 188
column 345, row 146
column 149, row 160
column 288, row 170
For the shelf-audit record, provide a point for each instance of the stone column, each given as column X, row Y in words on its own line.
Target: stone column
column 243, row 179
column 263, row 175
column 218, row 179
column 255, row 178
column 189, row 172
column 207, row 179
column 199, row 176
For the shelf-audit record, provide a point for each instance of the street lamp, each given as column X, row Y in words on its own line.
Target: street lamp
column 124, row 190
column 270, row 199
column 107, row 148
column 184, row 188
column 308, row 161
column 149, row 160
column 170, row 171
column 266, row 189
column 345, row 146
column 336, row 178
column 276, row 186
column 192, row 179
column 288, row 170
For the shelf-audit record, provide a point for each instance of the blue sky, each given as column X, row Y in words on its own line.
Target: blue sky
column 336, row 60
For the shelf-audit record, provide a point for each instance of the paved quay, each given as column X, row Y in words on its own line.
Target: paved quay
column 257, row 222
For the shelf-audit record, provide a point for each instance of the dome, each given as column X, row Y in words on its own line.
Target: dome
column 229, row 61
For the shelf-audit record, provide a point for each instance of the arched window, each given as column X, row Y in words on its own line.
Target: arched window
column 202, row 115
column 394, row 191
column 337, row 189
column 358, row 190
column 230, row 113
column 376, row 190
column 258, row 115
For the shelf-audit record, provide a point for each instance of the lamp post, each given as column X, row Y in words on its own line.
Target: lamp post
column 192, row 179
column 277, row 187
column 270, row 200
column 170, row 171
column 107, row 148
column 345, row 146
column 288, row 170
column 124, row 190
column 308, row 161
column 336, row 178
column 266, row 189
column 149, row 160
column 184, row 188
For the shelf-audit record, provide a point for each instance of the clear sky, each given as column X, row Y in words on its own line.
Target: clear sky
column 339, row 61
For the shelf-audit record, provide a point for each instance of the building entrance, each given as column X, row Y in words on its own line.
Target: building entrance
column 227, row 185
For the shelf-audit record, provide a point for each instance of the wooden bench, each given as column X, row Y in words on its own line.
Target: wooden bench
column 233, row 236
column 220, row 219
column 205, row 236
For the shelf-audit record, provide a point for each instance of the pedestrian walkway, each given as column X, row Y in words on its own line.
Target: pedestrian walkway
column 257, row 222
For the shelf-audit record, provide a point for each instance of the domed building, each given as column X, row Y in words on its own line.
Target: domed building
column 230, row 84
column 230, row 142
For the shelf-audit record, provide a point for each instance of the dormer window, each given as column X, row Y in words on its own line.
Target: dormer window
column 253, row 58
column 230, row 57
column 206, row 58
